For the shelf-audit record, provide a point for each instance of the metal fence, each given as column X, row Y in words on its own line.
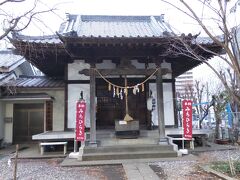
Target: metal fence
column 210, row 122
column 227, row 129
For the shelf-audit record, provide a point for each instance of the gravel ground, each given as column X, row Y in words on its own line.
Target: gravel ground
column 51, row 170
column 29, row 169
column 188, row 170
column 183, row 170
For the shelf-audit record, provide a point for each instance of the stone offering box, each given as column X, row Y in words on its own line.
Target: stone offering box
column 127, row 130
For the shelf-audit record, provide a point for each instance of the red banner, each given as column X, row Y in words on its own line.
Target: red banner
column 187, row 118
column 80, row 120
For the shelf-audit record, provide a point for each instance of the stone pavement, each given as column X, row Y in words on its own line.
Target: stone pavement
column 139, row 171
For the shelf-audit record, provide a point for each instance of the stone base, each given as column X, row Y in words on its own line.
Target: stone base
column 80, row 154
column 183, row 151
column 127, row 134
column 163, row 141
column 121, row 125
column 73, row 155
column 127, row 130
column 92, row 144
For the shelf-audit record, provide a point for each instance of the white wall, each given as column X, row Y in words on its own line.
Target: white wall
column 168, row 66
column 8, row 127
column 58, row 109
column 73, row 95
column 75, row 67
column 1, row 121
column 137, row 64
column 106, row 64
column 168, row 104
column 74, row 92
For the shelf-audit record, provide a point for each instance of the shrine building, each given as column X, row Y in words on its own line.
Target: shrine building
column 123, row 65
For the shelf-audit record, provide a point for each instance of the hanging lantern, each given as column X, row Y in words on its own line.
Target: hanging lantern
column 121, row 94
column 109, row 87
column 117, row 92
column 114, row 91
column 135, row 90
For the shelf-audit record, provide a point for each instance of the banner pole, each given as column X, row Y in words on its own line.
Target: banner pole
column 182, row 137
column 183, row 121
column 75, row 143
column 74, row 140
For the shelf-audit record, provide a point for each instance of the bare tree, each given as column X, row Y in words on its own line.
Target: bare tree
column 219, row 105
column 19, row 22
column 220, row 15
column 196, row 93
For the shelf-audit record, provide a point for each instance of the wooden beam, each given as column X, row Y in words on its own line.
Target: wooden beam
column 174, row 104
column 115, row 40
column 113, row 51
column 93, row 132
column 118, row 71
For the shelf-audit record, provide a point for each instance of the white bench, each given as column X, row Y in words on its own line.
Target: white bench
column 184, row 139
column 53, row 144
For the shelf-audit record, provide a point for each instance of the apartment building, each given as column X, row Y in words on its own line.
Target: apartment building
column 184, row 83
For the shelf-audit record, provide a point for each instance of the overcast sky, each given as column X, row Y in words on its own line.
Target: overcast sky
column 52, row 21
column 179, row 21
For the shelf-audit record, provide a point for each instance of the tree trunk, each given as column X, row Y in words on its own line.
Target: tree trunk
column 218, row 121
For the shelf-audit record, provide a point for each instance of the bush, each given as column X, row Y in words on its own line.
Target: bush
column 224, row 167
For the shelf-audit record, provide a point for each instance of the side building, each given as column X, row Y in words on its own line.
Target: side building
column 11, row 67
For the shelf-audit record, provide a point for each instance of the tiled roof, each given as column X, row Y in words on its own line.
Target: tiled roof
column 36, row 82
column 4, row 75
column 49, row 39
column 208, row 40
column 27, row 96
column 96, row 26
column 8, row 60
column 115, row 26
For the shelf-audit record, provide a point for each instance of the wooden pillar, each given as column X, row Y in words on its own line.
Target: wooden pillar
column 175, row 104
column 93, row 133
column 66, row 97
column 160, row 107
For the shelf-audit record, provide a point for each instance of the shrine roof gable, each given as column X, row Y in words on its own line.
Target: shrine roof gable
column 115, row 26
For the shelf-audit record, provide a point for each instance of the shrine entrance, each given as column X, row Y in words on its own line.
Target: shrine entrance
column 111, row 108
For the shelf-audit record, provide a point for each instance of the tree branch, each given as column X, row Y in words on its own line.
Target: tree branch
column 10, row 1
column 13, row 23
column 201, row 24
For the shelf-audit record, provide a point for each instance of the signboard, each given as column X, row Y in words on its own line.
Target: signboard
column 187, row 118
column 80, row 120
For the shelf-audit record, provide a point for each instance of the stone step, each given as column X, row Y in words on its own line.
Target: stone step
column 118, row 141
column 111, row 134
column 128, row 148
column 128, row 155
